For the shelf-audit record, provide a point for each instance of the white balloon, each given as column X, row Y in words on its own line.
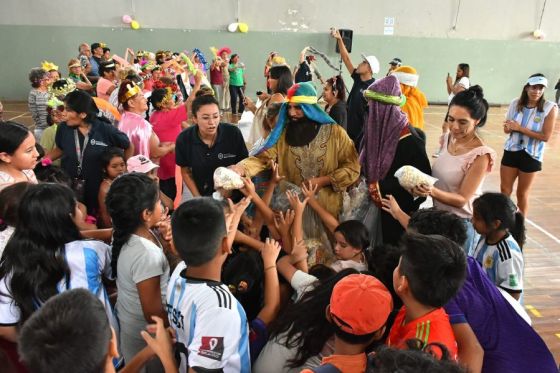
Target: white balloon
column 232, row 27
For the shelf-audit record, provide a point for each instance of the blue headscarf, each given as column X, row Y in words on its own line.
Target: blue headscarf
column 304, row 95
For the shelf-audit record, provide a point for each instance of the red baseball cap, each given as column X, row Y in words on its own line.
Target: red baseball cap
column 360, row 304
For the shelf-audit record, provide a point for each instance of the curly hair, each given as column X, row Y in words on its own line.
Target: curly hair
column 36, row 75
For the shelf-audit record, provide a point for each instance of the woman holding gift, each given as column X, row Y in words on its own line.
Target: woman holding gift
column 464, row 162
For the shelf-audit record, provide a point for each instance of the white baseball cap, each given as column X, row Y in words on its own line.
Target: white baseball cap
column 535, row 80
column 140, row 164
column 373, row 63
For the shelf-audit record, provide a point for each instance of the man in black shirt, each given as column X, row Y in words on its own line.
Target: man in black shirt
column 363, row 78
column 304, row 72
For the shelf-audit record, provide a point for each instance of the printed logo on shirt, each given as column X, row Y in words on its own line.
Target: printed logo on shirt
column 212, row 348
column 537, row 119
column 513, row 280
column 489, row 262
column 226, row 155
column 94, row 142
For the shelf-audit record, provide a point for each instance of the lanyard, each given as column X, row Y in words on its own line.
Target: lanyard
column 79, row 151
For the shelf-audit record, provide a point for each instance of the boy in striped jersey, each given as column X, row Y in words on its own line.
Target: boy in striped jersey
column 210, row 324
column 431, row 270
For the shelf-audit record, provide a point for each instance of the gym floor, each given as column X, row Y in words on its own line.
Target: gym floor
column 542, row 251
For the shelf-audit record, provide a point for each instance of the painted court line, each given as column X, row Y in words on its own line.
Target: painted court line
column 533, row 310
column 543, row 231
column 17, row 116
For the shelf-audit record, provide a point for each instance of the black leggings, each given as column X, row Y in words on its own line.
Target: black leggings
column 236, row 92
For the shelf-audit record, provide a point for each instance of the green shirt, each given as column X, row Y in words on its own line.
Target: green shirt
column 235, row 76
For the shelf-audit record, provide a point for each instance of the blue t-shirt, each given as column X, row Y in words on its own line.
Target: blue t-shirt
column 510, row 344
column 502, row 262
column 94, row 66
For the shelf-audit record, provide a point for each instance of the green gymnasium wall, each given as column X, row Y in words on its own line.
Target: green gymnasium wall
column 500, row 67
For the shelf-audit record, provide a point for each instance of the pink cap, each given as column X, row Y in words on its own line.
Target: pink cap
column 140, row 163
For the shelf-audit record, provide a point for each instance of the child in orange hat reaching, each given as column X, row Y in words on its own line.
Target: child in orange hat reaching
column 358, row 311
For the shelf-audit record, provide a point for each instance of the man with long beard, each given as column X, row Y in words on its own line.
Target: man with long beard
column 309, row 148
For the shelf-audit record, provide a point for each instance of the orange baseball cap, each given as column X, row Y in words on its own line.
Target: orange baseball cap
column 360, row 304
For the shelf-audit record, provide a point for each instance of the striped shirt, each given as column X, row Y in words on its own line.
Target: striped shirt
column 89, row 262
column 432, row 327
column 37, row 102
column 503, row 262
column 210, row 325
column 533, row 120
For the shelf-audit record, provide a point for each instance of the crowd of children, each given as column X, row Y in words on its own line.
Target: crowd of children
column 136, row 275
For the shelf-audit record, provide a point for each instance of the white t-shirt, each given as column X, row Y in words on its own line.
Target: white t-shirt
column 6, row 179
column 140, row 259
column 210, row 324
column 302, row 282
column 5, row 237
column 88, row 260
column 463, row 82
column 275, row 355
column 339, row 265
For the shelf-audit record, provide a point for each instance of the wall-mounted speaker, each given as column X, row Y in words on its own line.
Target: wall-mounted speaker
column 346, row 39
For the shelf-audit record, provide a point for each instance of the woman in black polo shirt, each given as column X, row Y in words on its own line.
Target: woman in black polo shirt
column 207, row 145
column 81, row 140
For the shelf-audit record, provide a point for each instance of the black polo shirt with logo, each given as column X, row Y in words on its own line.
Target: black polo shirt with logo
column 190, row 151
column 101, row 136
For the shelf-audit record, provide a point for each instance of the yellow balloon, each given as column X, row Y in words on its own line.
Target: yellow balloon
column 243, row 27
column 134, row 25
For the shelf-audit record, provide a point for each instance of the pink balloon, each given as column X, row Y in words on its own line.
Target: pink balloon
column 126, row 19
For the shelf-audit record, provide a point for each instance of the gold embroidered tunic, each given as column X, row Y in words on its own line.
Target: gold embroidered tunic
column 331, row 153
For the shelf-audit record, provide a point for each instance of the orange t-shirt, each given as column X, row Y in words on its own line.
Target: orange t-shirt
column 432, row 327
column 345, row 363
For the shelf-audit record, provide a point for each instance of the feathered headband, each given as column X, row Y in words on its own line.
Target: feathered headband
column 62, row 87
column 54, row 103
column 200, row 55
column 48, row 66
column 385, row 98
column 148, row 66
column 166, row 99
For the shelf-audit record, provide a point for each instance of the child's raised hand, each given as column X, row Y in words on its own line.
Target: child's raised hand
column 310, row 190
column 235, row 212
column 390, row 205
column 162, row 342
column 297, row 205
column 164, row 228
column 299, row 251
column 249, row 187
column 270, row 252
column 283, row 222
column 276, row 178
